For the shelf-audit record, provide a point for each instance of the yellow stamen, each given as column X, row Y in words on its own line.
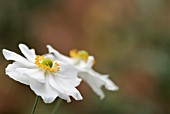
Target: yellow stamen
column 81, row 54
column 47, row 64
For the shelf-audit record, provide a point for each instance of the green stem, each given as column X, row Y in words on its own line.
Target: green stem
column 56, row 106
column 35, row 105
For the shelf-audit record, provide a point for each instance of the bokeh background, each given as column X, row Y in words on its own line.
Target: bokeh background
column 129, row 38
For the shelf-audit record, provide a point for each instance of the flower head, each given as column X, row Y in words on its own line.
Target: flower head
column 83, row 62
column 48, row 78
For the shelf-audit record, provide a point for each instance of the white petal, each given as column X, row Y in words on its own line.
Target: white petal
column 49, row 55
column 65, row 97
column 67, row 69
column 29, row 53
column 69, row 73
column 71, row 79
column 37, row 74
column 109, row 85
column 45, row 90
column 65, row 88
column 96, row 81
column 90, row 61
column 9, row 55
column 107, row 82
column 60, row 56
column 96, row 87
column 12, row 73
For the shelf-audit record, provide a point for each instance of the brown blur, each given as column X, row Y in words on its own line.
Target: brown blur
column 129, row 38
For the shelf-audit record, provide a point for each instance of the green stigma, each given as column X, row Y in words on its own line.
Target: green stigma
column 48, row 62
column 83, row 52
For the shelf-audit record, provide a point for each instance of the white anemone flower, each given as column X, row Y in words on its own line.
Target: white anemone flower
column 48, row 78
column 83, row 62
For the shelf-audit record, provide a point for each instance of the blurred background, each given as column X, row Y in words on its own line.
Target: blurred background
column 129, row 38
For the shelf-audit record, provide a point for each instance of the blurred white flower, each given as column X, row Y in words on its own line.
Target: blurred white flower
column 83, row 62
column 46, row 77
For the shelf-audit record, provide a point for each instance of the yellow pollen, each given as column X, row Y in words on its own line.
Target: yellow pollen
column 47, row 64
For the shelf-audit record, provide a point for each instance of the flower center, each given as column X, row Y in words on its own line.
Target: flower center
column 47, row 64
column 82, row 54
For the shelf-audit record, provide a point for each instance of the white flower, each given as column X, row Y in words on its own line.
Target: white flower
column 46, row 77
column 83, row 62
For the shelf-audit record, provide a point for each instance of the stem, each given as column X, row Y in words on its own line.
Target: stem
column 56, row 106
column 35, row 104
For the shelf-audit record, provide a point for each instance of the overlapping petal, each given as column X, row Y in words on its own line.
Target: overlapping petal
column 45, row 90
column 60, row 56
column 37, row 74
column 12, row 73
column 28, row 53
column 9, row 55
column 64, row 87
column 67, row 69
